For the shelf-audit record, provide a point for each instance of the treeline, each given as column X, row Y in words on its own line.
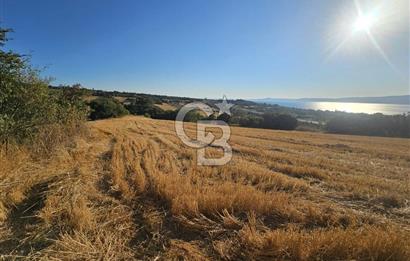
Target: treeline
column 371, row 125
column 267, row 120
column 153, row 97
column 107, row 107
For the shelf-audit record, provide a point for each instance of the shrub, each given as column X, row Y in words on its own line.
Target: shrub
column 224, row 117
column 164, row 115
column 141, row 106
column 70, row 103
column 103, row 108
column 193, row 116
column 27, row 105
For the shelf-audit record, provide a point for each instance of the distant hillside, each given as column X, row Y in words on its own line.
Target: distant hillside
column 401, row 99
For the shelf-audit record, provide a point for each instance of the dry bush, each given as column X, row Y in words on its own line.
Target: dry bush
column 50, row 138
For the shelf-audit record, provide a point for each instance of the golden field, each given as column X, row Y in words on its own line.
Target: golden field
column 129, row 189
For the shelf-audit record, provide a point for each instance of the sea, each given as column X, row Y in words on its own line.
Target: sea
column 353, row 107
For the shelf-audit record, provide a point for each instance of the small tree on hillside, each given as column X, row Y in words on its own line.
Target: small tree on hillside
column 140, row 106
column 224, row 117
column 103, row 108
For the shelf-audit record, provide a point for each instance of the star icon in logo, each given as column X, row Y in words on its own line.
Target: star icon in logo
column 224, row 106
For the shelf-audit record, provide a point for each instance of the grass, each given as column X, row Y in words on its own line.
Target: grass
column 166, row 106
column 130, row 189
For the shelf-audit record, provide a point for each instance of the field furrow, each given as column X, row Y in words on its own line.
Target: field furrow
column 132, row 190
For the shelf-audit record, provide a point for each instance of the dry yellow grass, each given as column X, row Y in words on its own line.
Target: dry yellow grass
column 166, row 106
column 132, row 190
column 91, row 98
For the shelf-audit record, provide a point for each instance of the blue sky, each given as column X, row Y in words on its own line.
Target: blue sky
column 207, row 48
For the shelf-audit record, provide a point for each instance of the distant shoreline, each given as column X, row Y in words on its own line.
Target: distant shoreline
column 398, row 100
column 350, row 107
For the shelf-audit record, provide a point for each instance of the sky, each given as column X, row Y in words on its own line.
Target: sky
column 209, row 48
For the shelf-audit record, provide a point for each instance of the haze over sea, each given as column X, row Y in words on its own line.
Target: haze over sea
column 354, row 107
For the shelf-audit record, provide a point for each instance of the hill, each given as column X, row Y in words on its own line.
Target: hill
column 129, row 189
column 257, row 115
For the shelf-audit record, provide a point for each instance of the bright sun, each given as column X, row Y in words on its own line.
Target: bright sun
column 364, row 23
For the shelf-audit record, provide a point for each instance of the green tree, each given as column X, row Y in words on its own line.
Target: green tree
column 224, row 117
column 103, row 108
column 70, row 103
column 141, row 106
column 193, row 116
column 24, row 100
column 26, row 103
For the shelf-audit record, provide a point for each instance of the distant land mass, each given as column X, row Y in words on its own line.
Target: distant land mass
column 400, row 99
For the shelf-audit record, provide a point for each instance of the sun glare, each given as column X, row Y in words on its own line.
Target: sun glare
column 364, row 23
column 367, row 23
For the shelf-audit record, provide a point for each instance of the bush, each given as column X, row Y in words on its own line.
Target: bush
column 141, row 106
column 70, row 103
column 27, row 105
column 193, row 116
column 104, row 107
column 164, row 115
column 224, row 117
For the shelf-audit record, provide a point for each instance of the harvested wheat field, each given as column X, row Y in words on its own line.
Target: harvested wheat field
column 129, row 189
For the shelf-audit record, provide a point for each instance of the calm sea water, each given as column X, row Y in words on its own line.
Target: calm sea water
column 388, row 109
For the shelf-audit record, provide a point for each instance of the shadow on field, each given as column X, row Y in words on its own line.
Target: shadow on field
column 23, row 220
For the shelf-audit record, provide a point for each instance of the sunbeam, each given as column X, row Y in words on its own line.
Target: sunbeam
column 358, row 26
column 364, row 23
